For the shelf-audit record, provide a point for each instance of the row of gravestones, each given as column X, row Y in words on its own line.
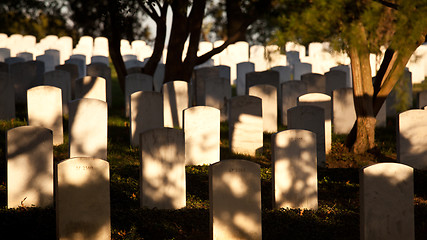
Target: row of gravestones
column 243, row 112
column 82, row 185
column 313, row 113
column 92, row 110
column 70, row 77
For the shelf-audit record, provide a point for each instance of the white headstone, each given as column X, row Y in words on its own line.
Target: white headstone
column 7, row 97
column 27, row 56
column 245, row 125
column 29, row 167
column 146, row 112
column 100, row 59
column 60, row 79
column 411, row 140
column 88, row 128
column 202, row 135
column 387, row 202
column 83, row 199
column 91, row 87
column 175, row 100
column 25, row 75
column 162, row 169
column 80, row 62
column 335, row 79
column 294, row 169
column 4, row 53
column 136, row 82
column 268, row 95
column 285, row 73
column 310, row 118
column 44, row 105
column 235, row 200
column 316, row 83
column 291, row 90
column 344, row 114
column 300, row 69
column 100, row 70
column 242, row 69
column 73, row 70
column 323, row 101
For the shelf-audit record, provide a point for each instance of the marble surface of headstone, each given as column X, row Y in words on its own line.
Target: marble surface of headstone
column 56, row 54
column 268, row 95
column 285, row 73
column 88, row 128
column 294, row 169
column 422, row 99
column 73, row 70
column 162, row 171
column 44, row 104
column 347, row 70
column 27, row 56
column 411, row 138
column 235, row 200
column 91, row 87
column 100, row 59
column 344, row 114
column 266, row 77
column 80, row 62
column 335, row 79
column 202, row 135
column 136, row 82
column 4, row 53
column 301, row 69
column 83, row 199
column 100, row 70
column 291, row 90
column 175, row 100
column 245, row 125
column 387, row 202
column 7, row 97
column 311, row 118
column 316, row 83
column 242, row 69
column 26, row 75
column 323, row 101
column 146, row 113
column 29, row 167
column 60, row 79
column 48, row 62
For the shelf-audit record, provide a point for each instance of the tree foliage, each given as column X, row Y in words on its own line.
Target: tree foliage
column 359, row 28
column 32, row 17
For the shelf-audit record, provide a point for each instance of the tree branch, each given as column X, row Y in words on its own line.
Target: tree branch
column 385, row 68
column 388, row 4
column 149, row 11
column 230, row 40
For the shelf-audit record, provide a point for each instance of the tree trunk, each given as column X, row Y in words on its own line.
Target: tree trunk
column 159, row 43
column 114, row 44
column 362, row 136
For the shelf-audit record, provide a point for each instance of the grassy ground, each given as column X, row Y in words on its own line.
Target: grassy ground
column 336, row 218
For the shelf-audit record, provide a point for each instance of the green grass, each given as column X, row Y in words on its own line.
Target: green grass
column 336, row 218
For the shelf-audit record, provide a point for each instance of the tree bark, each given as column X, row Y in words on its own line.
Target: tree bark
column 362, row 138
column 159, row 43
column 390, row 71
column 114, row 43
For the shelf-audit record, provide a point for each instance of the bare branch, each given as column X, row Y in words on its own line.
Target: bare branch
column 230, row 40
column 388, row 4
column 149, row 11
